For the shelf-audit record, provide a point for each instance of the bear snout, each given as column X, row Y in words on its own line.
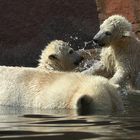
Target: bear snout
column 100, row 39
column 99, row 42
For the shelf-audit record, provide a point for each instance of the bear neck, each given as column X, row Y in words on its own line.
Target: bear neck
column 121, row 46
column 53, row 66
column 48, row 65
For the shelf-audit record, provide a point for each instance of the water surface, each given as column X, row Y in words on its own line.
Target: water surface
column 31, row 124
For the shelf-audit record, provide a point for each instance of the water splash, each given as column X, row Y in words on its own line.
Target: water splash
column 74, row 37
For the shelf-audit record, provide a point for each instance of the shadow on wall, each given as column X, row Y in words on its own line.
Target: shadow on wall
column 27, row 26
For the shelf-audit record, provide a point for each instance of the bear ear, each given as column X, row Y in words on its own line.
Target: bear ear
column 52, row 57
column 126, row 34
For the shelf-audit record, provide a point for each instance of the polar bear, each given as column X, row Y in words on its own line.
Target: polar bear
column 30, row 87
column 123, row 50
column 59, row 56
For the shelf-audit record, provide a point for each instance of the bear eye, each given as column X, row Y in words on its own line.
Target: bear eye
column 71, row 51
column 108, row 33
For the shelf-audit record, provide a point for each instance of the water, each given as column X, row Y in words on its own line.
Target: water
column 31, row 124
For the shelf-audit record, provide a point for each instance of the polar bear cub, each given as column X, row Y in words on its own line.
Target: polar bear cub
column 59, row 56
column 30, row 87
column 123, row 50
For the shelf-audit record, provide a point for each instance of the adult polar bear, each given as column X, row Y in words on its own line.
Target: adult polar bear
column 59, row 56
column 30, row 87
column 123, row 52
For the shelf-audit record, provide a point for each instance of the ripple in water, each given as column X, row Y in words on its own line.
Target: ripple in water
column 28, row 124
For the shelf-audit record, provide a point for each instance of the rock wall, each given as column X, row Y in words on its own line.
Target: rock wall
column 26, row 26
column 127, row 8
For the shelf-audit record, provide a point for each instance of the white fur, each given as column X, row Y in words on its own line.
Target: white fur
column 29, row 87
column 64, row 60
column 123, row 50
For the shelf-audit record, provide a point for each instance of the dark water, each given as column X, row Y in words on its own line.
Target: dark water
column 31, row 124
